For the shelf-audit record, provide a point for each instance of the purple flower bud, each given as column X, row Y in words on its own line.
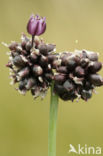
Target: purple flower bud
column 95, row 67
column 22, row 85
column 34, row 57
column 79, row 71
column 71, row 63
column 86, row 94
column 92, row 56
column 51, row 47
column 62, row 69
column 23, row 73
column 84, row 62
column 18, row 61
column 68, row 96
column 56, row 63
column 69, row 86
column 30, row 83
column 43, row 49
column 52, row 57
column 96, row 79
column 59, row 88
column 36, row 25
column 60, row 78
column 49, row 76
column 88, row 85
column 28, row 46
column 43, row 61
column 37, row 70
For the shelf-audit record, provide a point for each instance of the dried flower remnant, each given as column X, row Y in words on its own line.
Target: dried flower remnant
column 29, row 65
column 76, row 76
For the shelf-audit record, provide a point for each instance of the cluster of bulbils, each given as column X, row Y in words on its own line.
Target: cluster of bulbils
column 76, row 75
column 34, row 65
column 29, row 65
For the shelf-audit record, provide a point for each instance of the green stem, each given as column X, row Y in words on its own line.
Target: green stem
column 32, row 40
column 52, row 123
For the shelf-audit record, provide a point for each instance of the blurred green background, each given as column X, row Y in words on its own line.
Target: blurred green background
column 23, row 121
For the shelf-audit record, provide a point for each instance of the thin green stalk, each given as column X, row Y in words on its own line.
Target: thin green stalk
column 52, row 123
column 32, row 40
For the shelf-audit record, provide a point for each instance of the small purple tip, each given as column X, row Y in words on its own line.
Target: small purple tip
column 36, row 25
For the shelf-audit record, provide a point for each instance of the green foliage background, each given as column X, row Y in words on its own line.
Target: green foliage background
column 23, row 121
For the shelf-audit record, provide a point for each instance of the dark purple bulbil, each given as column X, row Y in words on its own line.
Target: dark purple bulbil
column 36, row 25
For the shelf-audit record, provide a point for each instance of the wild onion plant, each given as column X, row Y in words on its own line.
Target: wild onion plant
column 35, row 66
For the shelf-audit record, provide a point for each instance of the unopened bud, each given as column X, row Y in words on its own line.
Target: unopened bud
column 52, row 57
column 37, row 70
column 95, row 67
column 65, row 59
column 34, row 57
column 30, row 83
column 86, row 94
column 79, row 71
column 68, row 85
column 60, row 78
column 24, row 72
column 88, row 85
column 43, row 60
column 56, row 63
column 92, row 56
column 59, row 88
column 28, row 46
column 36, row 25
column 84, row 62
column 68, row 96
column 22, row 85
column 96, row 79
column 18, row 61
column 62, row 69
column 43, row 49
column 71, row 63
column 50, row 47
column 49, row 76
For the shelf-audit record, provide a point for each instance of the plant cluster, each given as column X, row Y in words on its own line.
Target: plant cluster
column 34, row 64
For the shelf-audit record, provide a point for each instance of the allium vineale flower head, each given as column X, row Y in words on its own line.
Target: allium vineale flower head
column 33, row 63
column 76, row 74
